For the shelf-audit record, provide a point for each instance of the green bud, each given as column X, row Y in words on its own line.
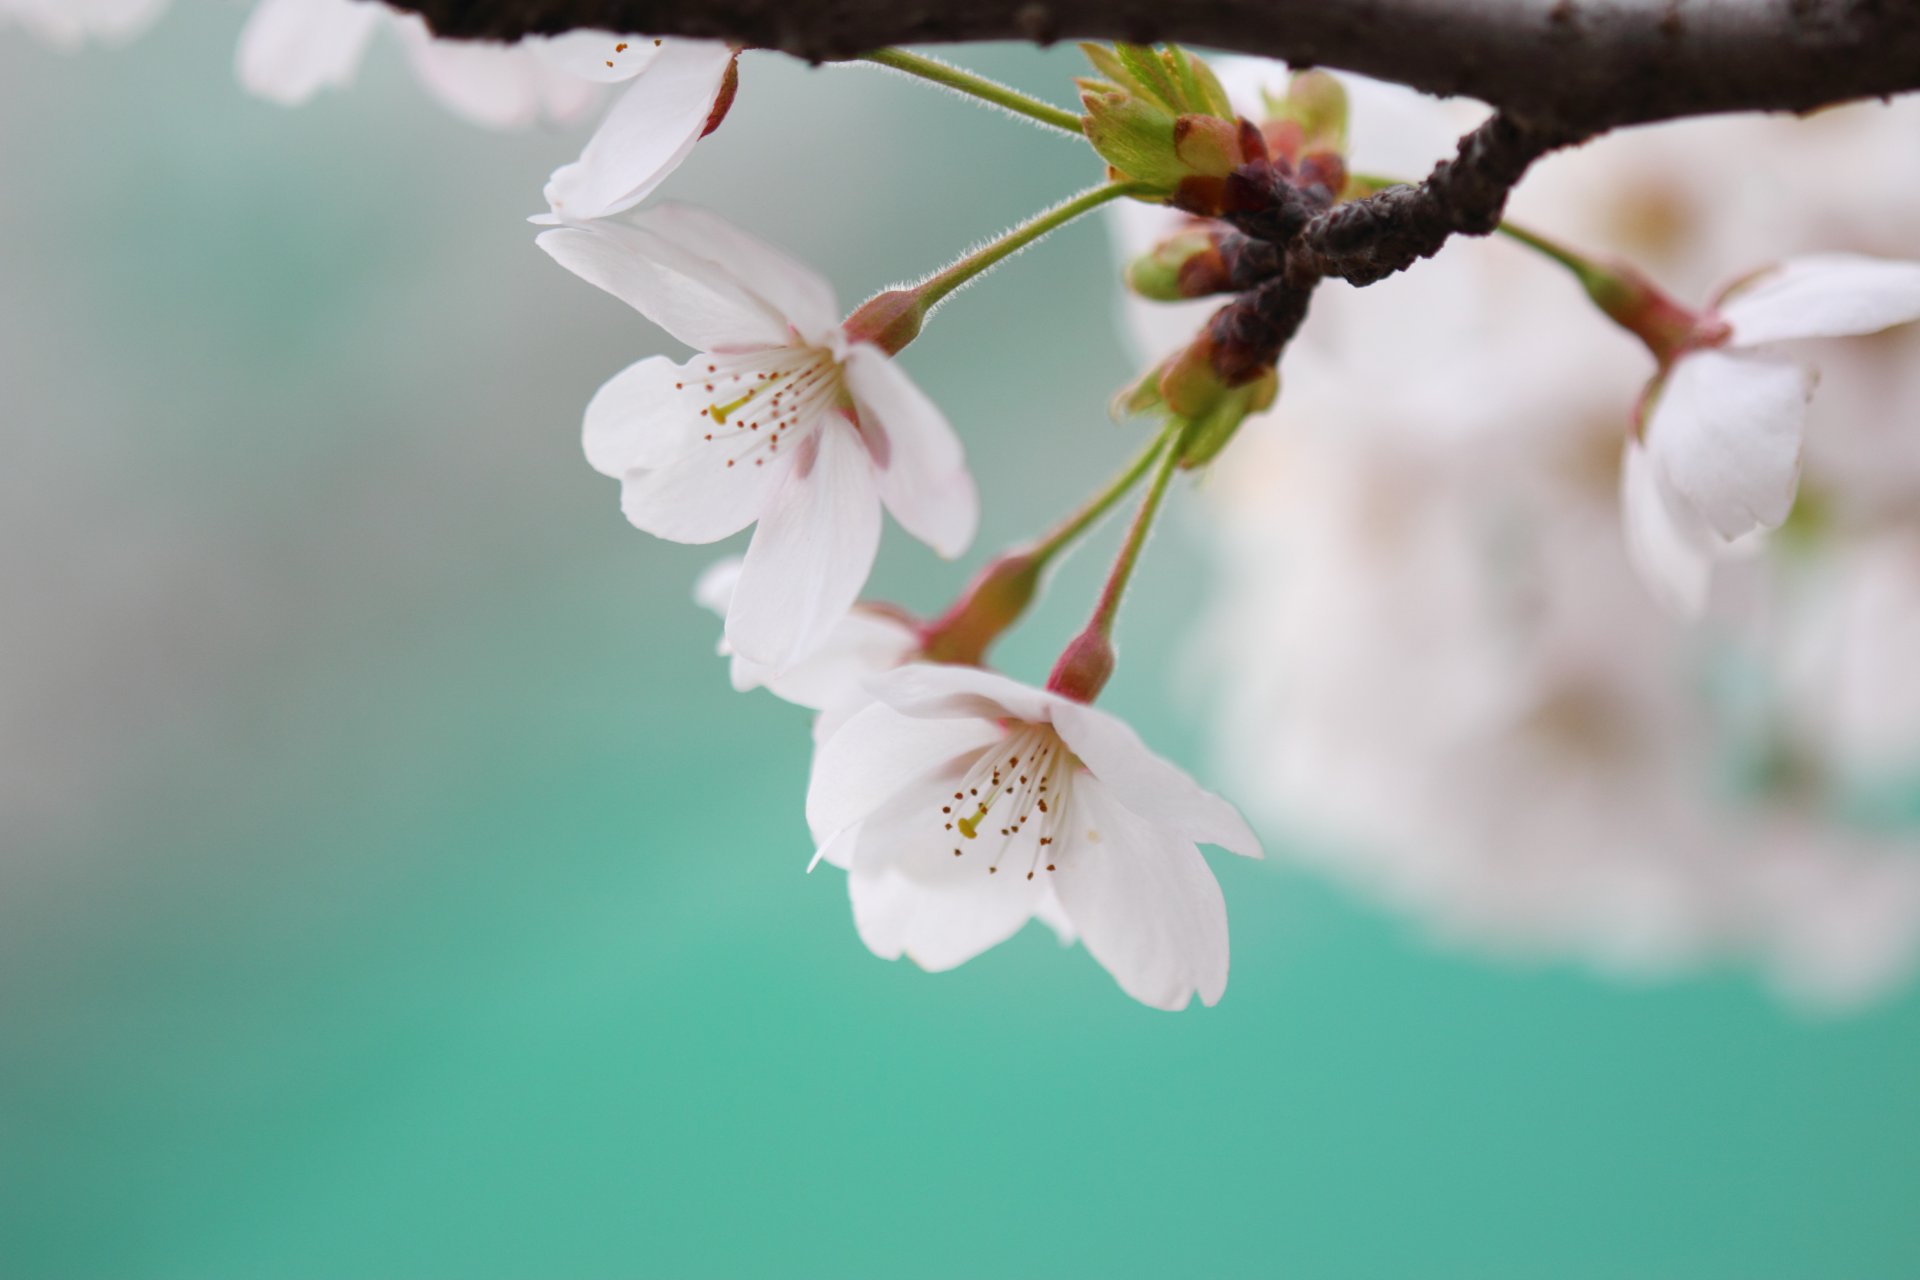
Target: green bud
column 1211, row 431
column 1157, row 116
column 1158, row 274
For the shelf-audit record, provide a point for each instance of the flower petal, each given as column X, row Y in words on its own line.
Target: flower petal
column 1149, row 785
column 938, row 926
column 912, row 897
column 491, row 85
column 1725, row 434
column 600, row 56
column 937, row 691
column 700, row 304
column 795, row 292
column 649, row 131
column 630, row 420
column 920, row 466
column 698, row 498
column 1144, row 901
column 877, row 754
column 812, row 552
column 1829, row 295
column 291, row 49
column 1672, row 551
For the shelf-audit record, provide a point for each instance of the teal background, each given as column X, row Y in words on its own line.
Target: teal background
column 393, row 886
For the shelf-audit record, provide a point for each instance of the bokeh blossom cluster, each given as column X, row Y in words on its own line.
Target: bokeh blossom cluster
column 1553, row 604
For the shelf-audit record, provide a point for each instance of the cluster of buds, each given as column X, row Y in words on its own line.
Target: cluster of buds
column 1248, row 188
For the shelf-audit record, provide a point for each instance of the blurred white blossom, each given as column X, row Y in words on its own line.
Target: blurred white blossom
column 1445, row 682
column 69, row 24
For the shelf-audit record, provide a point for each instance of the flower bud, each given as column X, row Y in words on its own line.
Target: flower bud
column 1311, row 118
column 1084, row 666
column 1158, row 117
column 1187, row 265
column 992, row 602
column 1209, row 433
column 888, row 320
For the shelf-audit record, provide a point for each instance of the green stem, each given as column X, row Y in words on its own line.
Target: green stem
column 936, row 287
column 1068, row 531
column 1547, row 248
column 1108, row 608
column 965, row 82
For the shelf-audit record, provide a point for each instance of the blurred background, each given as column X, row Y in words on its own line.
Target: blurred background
column 392, row 885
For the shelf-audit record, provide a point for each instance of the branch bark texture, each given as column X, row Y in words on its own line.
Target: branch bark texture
column 1572, row 66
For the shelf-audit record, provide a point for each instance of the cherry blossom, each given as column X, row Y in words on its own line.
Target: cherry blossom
column 291, row 50
column 832, row 680
column 963, row 803
column 781, row 419
column 68, row 24
column 680, row 90
column 1718, row 457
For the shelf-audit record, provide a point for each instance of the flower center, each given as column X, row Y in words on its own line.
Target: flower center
column 750, row 403
column 1016, row 792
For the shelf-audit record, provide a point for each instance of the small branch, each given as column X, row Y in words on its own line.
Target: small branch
column 1373, row 237
column 1582, row 66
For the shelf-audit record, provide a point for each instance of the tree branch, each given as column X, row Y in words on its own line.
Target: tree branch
column 1580, row 66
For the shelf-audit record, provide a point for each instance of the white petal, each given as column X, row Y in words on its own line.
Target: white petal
column 698, row 498
column 1823, row 296
column 649, row 131
column 600, row 56
column 1144, row 901
column 921, row 469
column 913, row 897
column 714, row 588
column 1149, row 785
column 792, row 290
column 937, row 691
column 812, row 552
column 878, row 753
column 696, row 301
column 68, row 24
column 1725, row 435
column 629, row 422
column 488, row 84
column 938, row 926
column 1673, row 552
column 864, row 644
column 291, row 49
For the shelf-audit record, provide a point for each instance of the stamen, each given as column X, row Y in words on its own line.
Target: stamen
column 1015, row 797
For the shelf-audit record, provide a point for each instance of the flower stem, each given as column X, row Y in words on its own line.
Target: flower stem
column 892, row 318
column 951, row 77
column 1167, row 449
column 1001, row 592
column 932, row 291
column 1069, row 530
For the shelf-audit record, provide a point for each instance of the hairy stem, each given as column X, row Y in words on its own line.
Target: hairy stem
column 965, row 82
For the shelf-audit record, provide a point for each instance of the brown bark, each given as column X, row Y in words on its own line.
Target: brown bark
column 1574, row 66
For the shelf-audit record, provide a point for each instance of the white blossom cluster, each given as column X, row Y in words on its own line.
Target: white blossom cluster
column 1564, row 641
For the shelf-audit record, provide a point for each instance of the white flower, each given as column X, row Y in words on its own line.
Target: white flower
column 1719, row 454
column 68, row 24
column 832, row 680
column 292, row 49
column 781, row 420
column 680, row 87
column 962, row 804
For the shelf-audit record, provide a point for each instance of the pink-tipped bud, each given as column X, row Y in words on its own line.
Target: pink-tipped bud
column 992, row 602
column 1637, row 305
column 1084, row 666
column 888, row 320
